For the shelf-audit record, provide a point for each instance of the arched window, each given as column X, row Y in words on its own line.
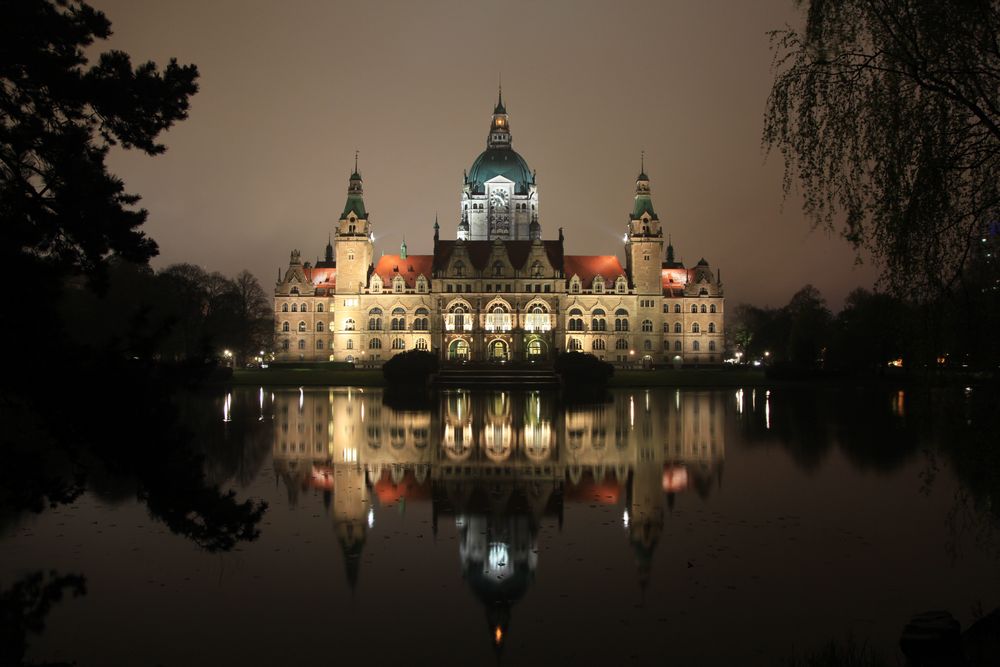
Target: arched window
column 319, row 344
column 711, row 308
column 285, row 327
column 711, row 346
column 695, row 328
column 647, row 345
column 677, row 346
column 375, row 319
column 575, row 345
column 421, row 284
column 284, row 307
column 398, row 344
column 497, row 269
column 319, row 326
column 295, row 307
column 294, row 291
column 375, row 344
column 575, row 320
column 302, row 326
column 376, row 287
column 458, row 318
column 621, row 320
column 459, row 269
column 620, row 285
column 398, row 285
column 695, row 346
column 598, row 285
column 694, row 308
column 284, row 345
column 319, row 308
column 704, row 309
column 303, row 308
column 647, row 325
column 574, row 285
column 421, row 322
column 621, row 344
column 536, row 269
column 302, row 345
column 421, row 344
column 711, row 327
column 398, row 322
column 598, row 345
column 349, row 324
column 677, row 307
column 678, row 328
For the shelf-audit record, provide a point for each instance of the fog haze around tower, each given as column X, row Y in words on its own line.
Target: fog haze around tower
column 289, row 91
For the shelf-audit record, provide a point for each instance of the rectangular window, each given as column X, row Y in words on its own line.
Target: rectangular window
column 449, row 288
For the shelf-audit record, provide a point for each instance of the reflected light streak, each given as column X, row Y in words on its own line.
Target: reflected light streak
column 625, row 518
column 767, row 411
column 371, row 518
column 302, row 399
column 739, row 401
column 631, row 411
column 226, row 407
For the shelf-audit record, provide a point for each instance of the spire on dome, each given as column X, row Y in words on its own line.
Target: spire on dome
column 437, row 227
column 642, row 167
column 643, row 200
column 499, row 109
column 499, row 126
column 402, row 249
column 355, row 175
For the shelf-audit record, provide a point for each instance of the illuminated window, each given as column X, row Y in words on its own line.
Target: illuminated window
column 375, row 344
column 302, row 326
column 575, row 345
column 398, row 344
column 349, row 324
column 421, row 344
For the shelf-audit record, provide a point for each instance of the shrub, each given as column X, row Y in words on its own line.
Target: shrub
column 413, row 367
column 582, row 368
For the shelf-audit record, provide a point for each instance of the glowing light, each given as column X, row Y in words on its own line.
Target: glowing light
column 371, row 518
column 767, row 412
column 895, row 363
column 261, row 400
column 302, row 399
column 498, row 635
column 226, row 407
column 498, row 562
column 625, row 518
column 631, row 411
column 739, row 401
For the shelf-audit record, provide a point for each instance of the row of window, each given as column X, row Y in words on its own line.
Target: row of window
column 575, row 345
column 694, row 308
column 301, row 308
column 573, row 324
column 373, row 344
column 598, row 285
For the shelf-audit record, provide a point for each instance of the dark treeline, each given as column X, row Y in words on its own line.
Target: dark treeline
column 954, row 331
column 180, row 313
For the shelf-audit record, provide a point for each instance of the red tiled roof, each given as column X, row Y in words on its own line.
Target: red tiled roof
column 389, row 266
column 674, row 279
column 325, row 277
column 389, row 493
column 590, row 266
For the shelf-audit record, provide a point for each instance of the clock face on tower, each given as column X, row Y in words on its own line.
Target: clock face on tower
column 498, row 198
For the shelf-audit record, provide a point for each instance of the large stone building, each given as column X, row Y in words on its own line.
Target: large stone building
column 499, row 291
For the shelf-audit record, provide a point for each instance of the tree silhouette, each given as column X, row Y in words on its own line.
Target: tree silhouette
column 887, row 113
column 60, row 115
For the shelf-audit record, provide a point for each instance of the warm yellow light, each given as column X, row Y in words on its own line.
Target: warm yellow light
column 498, row 635
column 896, row 363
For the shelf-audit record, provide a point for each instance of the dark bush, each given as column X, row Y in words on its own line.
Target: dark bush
column 413, row 367
column 576, row 368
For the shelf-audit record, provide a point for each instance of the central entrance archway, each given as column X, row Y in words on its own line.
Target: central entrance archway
column 498, row 351
column 458, row 350
column 536, row 349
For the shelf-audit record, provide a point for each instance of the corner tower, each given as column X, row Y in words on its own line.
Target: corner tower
column 499, row 197
column 644, row 241
column 354, row 240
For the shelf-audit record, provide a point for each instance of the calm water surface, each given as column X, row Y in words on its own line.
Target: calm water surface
column 682, row 526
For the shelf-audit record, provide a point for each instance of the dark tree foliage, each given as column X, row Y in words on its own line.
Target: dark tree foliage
column 583, row 368
column 413, row 367
column 59, row 116
column 887, row 113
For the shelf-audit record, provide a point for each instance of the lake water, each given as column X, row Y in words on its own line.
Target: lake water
column 683, row 526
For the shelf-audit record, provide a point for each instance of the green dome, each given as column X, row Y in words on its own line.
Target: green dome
column 504, row 162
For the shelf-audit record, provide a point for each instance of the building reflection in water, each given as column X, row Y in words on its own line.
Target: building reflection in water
column 497, row 464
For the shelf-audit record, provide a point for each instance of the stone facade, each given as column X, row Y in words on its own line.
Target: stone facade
column 499, row 291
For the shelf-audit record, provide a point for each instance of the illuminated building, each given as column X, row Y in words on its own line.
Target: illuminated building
column 499, row 291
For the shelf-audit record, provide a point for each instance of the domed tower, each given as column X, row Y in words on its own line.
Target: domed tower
column 644, row 244
column 499, row 197
column 354, row 241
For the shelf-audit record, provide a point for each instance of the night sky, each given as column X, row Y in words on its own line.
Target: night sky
column 289, row 90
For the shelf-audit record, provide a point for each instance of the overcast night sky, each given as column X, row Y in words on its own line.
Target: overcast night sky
column 289, row 90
